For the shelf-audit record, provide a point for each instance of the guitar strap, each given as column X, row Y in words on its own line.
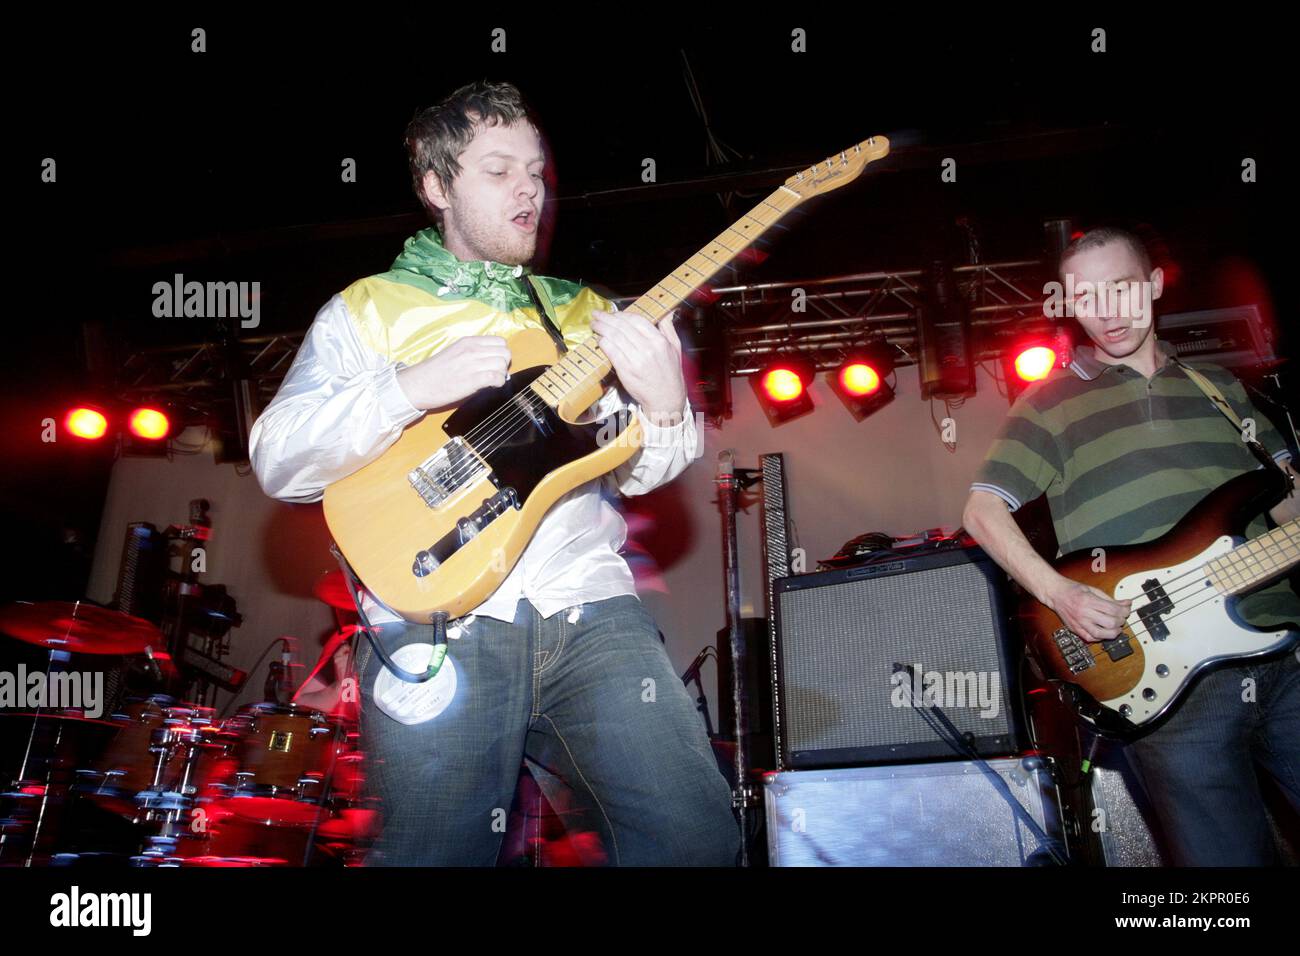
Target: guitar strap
column 1214, row 395
column 539, row 296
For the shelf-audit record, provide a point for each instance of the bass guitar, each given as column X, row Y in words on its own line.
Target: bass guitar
column 1184, row 587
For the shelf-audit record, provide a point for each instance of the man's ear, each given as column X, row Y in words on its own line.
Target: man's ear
column 1157, row 282
column 433, row 191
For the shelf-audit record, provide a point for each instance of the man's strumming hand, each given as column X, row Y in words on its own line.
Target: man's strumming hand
column 456, row 372
column 1086, row 610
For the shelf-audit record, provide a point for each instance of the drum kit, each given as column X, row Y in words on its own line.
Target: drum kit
column 162, row 782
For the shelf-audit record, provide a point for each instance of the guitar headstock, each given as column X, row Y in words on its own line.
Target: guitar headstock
column 838, row 170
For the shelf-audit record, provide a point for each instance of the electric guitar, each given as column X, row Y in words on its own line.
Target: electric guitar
column 1184, row 586
column 437, row 522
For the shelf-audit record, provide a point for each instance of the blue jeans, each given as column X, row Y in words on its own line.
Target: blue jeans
column 1198, row 767
column 594, row 701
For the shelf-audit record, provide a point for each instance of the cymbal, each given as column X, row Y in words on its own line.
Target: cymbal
column 333, row 590
column 78, row 628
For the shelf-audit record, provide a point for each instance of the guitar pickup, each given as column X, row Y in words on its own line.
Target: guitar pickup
column 1158, row 604
column 450, row 469
column 1074, row 650
column 1118, row 649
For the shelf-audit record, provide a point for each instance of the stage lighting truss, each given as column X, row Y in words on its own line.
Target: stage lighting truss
column 202, row 376
column 836, row 313
column 840, row 311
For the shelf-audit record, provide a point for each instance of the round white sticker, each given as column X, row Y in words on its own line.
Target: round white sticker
column 415, row 703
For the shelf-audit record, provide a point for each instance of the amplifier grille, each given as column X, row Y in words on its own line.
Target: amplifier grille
column 840, row 645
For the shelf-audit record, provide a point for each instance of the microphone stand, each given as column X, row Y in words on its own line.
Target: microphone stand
column 730, row 481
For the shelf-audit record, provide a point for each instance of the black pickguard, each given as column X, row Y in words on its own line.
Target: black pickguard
column 522, row 451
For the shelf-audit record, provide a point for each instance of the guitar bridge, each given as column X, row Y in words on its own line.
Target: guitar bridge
column 451, row 468
column 1074, row 650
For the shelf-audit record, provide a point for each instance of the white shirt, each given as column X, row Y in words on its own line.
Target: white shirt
column 340, row 407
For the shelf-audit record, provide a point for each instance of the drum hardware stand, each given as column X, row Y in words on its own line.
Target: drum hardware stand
column 168, row 806
column 57, row 657
column 731, row 481
column 336, row 739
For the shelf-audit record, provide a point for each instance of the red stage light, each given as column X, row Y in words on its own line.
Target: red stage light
column 781, row 388
column 859, row 378
column 782, row 384
column 149, row 423
column 1035, row 363
column 86, row 423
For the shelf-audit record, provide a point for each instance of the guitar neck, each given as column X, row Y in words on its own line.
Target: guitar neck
column 587, row 362
column 1257, row 561
column 582, row 366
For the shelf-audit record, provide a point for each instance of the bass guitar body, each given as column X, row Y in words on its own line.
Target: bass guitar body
column 1184, row 588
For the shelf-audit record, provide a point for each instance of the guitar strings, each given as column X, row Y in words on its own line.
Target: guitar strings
column 506, row 428
column 512, row 404
column 1274, row 546
column 517, row 416
column 520, row 418
column 510, row 415
column 1101, row 649
column 1098, row 647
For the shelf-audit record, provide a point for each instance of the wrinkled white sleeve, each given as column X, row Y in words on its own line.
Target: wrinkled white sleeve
column 338, row 408
column 664, row 452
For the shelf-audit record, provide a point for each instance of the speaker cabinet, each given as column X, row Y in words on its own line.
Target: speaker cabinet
column 871, row 664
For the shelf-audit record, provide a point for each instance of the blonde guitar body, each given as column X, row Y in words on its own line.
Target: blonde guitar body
column 386, row 523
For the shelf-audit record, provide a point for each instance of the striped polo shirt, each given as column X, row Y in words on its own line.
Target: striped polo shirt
column 1122, row 458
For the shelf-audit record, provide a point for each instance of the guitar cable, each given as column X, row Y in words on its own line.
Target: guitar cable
column 439, row 621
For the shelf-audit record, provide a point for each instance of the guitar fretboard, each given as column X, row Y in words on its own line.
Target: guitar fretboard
column 1257, row 561
column 587, row 363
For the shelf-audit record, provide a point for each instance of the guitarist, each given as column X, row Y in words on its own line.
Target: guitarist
column 1124, row 444
column 561, row 664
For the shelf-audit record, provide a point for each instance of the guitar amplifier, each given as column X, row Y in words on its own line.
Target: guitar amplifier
column 957, row 813
column 869, row 661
